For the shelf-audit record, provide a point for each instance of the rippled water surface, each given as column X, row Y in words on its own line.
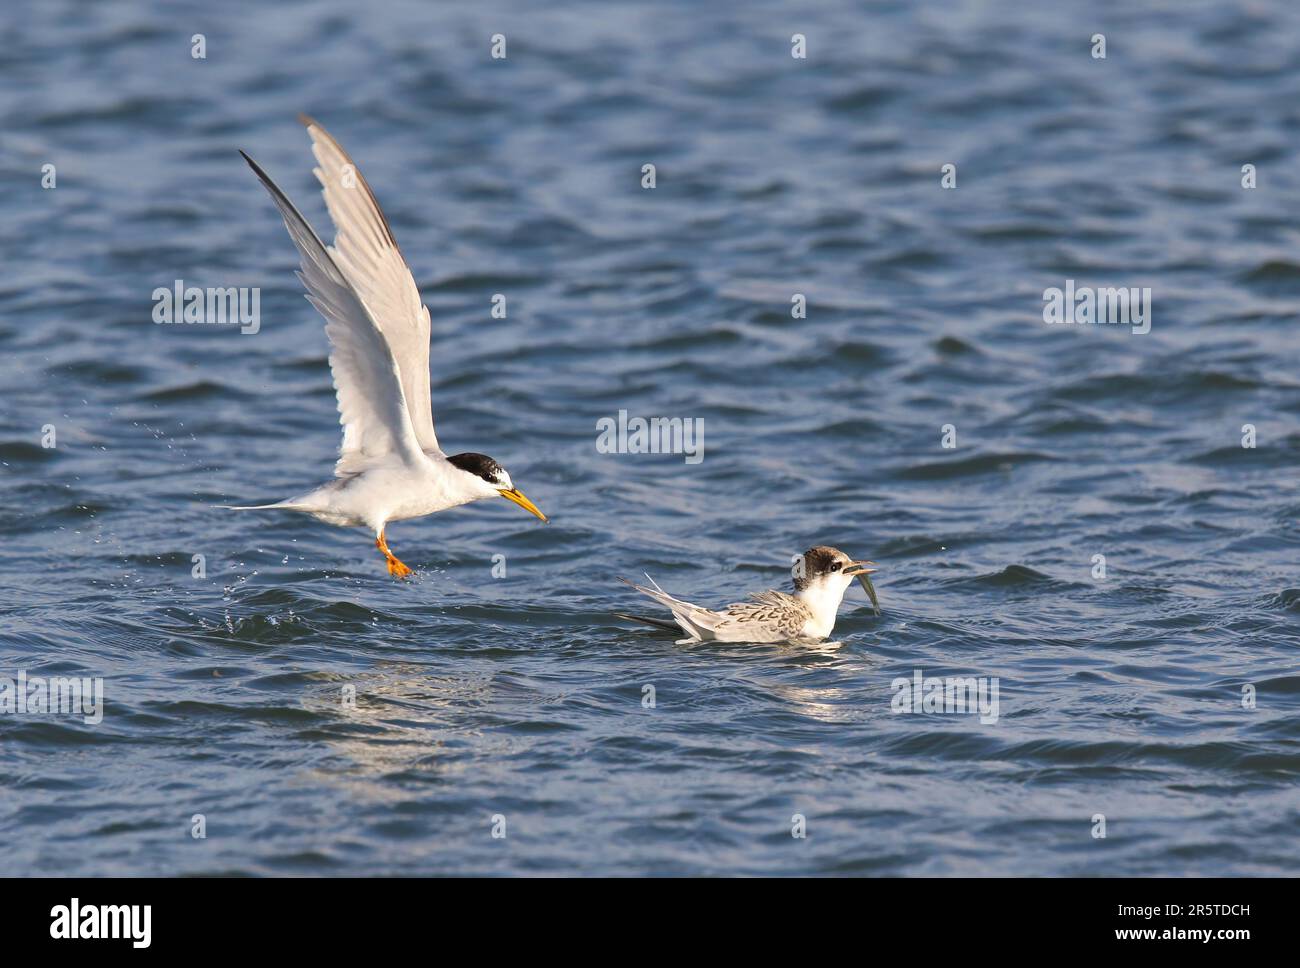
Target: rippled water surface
column 522, row 696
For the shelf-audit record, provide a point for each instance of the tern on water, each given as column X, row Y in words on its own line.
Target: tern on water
column 390, row 466
column 821, row 576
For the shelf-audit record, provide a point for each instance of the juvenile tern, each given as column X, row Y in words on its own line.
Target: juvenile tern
column 821, row 577
column 390, row 466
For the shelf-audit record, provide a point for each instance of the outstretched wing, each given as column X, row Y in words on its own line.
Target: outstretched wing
column 372, row 405
column 366, row 252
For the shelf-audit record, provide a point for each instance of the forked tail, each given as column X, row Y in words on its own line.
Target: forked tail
column 691, row 619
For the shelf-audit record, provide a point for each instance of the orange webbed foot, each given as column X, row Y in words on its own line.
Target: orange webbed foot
column 396, row 568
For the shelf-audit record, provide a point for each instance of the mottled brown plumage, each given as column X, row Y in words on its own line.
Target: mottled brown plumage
column 773, row 609
column 821, row 576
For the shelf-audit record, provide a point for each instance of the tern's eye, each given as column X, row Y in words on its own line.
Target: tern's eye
column 835, row 567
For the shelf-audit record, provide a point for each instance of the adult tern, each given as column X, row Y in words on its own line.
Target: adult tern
column 390, row 466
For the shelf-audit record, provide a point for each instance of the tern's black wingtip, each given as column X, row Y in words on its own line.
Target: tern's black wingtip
column 262, row 176
column 306, row 120
column 257, row 169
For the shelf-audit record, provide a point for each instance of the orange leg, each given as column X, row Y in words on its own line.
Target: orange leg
column 395, row 568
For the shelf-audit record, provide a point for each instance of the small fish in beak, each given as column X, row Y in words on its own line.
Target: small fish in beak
column 863, row 574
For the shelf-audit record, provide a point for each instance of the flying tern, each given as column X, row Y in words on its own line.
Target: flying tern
column 390, row 466
column 821, row 576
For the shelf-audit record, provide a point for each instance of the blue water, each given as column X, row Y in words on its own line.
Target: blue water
column 522, row 696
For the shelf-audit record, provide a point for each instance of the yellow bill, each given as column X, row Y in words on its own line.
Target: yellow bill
column 517, row 496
